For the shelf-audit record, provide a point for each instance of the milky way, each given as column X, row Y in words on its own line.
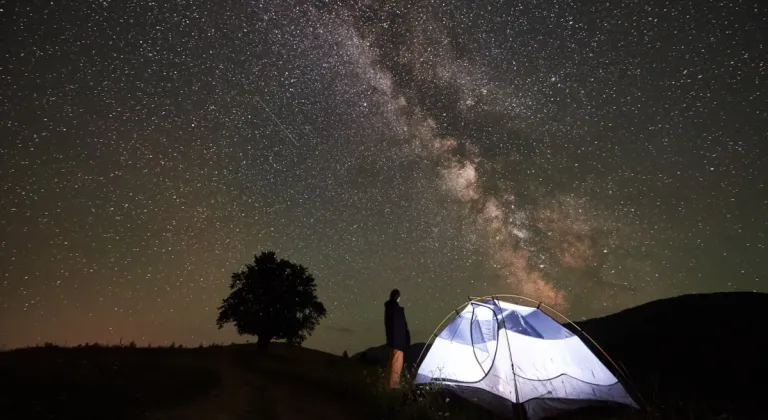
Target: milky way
column 590, row 156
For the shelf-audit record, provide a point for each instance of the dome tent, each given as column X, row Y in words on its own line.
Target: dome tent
column 505, row 356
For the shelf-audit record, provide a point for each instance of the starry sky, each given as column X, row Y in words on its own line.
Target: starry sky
column 592, row 155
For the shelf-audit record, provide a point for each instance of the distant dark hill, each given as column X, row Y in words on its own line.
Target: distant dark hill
column 705, row 347
column 377, row 356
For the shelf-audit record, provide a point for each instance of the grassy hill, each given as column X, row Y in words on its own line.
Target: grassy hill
column 96, row 382
column 222, row 382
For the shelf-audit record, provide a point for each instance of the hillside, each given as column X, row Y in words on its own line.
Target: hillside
column 377, row 356
column 232, row 382
column 705, row 347
column 222, row 383
column 92, row 382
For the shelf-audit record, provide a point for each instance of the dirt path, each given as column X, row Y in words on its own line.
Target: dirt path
column 247, row 394
column 282, row 395
column 230, row 400
column 297, row 401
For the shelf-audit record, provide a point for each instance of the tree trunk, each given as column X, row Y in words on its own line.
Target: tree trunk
column 263, row 344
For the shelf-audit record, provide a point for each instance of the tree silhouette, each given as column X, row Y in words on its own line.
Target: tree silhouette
column 273, row 299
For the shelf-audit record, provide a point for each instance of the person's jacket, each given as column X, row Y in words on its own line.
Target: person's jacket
column 398, row 335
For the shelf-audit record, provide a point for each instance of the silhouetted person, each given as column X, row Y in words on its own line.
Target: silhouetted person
column 398, row 337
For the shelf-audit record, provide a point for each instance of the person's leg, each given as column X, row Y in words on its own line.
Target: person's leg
column 395, row 367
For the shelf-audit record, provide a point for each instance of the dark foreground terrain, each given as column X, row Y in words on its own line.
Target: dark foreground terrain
column 222, row 382
column 690, row 357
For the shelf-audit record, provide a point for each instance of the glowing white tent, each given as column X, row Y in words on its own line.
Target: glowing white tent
column 500, row 354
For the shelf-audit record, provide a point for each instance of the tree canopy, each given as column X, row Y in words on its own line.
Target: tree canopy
column 273, row 299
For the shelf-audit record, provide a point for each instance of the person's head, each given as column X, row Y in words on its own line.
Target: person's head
column 394, row 295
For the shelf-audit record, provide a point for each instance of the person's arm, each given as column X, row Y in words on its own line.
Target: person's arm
column 388, row 325
column 407, row 330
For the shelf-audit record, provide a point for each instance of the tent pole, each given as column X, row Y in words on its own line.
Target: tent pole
column 434, row 333
column 621, row 371
column 523, row 415
column 472, row 342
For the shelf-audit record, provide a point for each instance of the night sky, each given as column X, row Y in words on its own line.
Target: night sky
column 593, row 155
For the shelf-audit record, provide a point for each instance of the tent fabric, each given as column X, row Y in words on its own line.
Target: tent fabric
column 500, row 350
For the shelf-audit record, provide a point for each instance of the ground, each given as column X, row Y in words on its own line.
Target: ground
column 254, row 385
column 225, row 382
column 222, row 382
